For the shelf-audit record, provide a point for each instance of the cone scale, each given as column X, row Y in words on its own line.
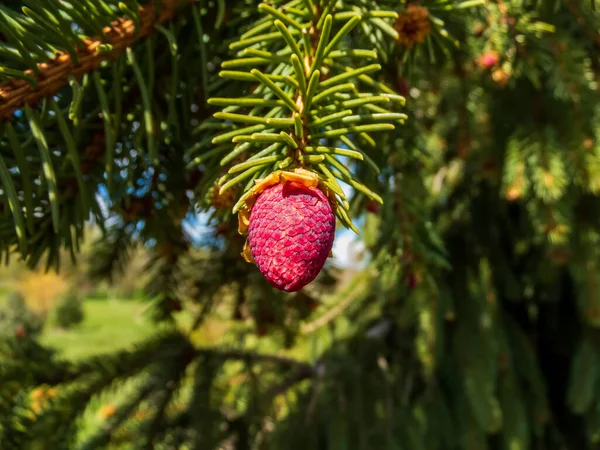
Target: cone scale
column 290, row 234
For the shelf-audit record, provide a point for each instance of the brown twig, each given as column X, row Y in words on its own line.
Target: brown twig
column 54, row 74
column 333, row 313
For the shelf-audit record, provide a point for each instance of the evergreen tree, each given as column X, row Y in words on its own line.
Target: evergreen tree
column 459, row 139
column 18, row 321
column 69, row 311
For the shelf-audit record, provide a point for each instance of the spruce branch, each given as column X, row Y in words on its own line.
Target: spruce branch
column 248, row 356
column 49, row 76
column 311, row 71
column 298, row 375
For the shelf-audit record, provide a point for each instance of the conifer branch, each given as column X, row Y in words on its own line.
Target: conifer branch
column 351, row 294
column 54, row 74
column 299, row 375
column 258, row 357
column 313, row 87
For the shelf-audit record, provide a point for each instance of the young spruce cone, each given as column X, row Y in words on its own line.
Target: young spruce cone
column 290, row 234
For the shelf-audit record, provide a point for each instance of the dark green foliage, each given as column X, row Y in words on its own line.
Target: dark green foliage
column 69, row 311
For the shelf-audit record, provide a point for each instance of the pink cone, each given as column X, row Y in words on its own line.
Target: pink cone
column 290, row 234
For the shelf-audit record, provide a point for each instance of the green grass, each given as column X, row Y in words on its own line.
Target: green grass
column 109, row 325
